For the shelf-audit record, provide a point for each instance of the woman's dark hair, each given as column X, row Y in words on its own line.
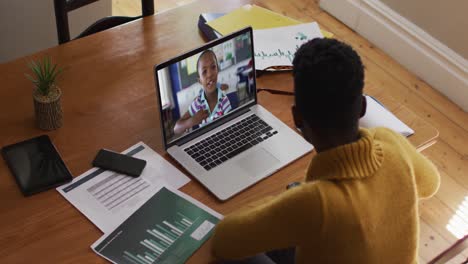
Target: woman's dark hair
column 328, row 84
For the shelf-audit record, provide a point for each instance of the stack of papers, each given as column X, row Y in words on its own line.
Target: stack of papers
column 254, row 16
column 144, row 219
column 276, row 37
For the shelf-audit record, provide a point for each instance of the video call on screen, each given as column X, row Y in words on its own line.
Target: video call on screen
column 206, row 88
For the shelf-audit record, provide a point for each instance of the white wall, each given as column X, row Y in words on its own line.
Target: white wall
column 28, row 26
column 446, row 20
column 413, row 47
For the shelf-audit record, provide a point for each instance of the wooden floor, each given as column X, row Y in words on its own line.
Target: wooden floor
column 450, row 153
column 133, row 7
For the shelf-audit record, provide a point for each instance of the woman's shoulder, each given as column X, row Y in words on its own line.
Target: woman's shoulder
column 199, row 97
column 197, row 102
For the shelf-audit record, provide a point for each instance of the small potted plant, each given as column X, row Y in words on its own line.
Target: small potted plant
column 46, row 94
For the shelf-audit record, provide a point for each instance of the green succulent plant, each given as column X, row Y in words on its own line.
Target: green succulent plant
column 44, row 74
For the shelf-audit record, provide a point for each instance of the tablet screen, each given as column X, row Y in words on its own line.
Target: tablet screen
column 36, row 165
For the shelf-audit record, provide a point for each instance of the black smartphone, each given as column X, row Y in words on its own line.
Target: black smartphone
column 121, row 163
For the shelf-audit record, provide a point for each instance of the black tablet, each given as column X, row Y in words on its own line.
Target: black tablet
column 36, row 165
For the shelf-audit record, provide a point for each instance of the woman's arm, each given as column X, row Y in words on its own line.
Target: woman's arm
column 282, row 222
column 187, row 121
column 427, row 176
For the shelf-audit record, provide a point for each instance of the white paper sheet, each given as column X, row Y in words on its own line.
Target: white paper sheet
column 277, row 46
column 378, row 116
column 108, row 198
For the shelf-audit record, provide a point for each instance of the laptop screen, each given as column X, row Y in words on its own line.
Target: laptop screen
column 204, row 86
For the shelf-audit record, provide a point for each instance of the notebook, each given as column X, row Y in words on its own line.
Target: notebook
column 251, row 15
column 237, row 142
column 379, row 116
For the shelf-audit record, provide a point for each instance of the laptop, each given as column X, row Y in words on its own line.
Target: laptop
column 212, row 124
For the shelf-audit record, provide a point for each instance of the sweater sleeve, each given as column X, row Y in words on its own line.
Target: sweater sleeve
column 280, row 223
column 426, row 174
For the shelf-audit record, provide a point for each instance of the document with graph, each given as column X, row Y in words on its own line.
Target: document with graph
column 168, row 228
column 275, row 47
column 108, row 198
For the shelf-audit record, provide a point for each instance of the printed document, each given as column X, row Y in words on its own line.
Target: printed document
column 378, row 116
column 277, row 46
column 108, row 198
column 168, row 228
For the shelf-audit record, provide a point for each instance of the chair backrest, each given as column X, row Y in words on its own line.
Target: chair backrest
column 62, row 7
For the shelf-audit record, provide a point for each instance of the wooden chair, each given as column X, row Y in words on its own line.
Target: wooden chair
column 62, row 7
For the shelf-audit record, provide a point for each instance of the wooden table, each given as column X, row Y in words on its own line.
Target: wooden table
column 109, row 101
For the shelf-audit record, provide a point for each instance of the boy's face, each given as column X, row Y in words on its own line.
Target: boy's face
column 208, row 72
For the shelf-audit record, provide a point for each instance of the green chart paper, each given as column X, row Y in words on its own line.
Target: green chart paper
column 166, row 229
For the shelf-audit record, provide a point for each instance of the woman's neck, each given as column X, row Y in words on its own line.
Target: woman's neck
column 328, row 141
column 212, row 99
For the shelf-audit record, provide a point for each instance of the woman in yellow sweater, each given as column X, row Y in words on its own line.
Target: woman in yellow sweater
column 359, row 200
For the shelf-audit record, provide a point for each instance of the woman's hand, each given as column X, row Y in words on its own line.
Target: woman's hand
column 224, row 87
column 187, row 121
column 199, row 117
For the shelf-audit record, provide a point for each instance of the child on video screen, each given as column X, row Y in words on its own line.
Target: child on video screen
column 211, row 102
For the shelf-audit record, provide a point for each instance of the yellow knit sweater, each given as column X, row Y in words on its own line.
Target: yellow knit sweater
column 359, row 205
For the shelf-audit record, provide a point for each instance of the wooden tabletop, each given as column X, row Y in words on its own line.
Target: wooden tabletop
column 109, row 101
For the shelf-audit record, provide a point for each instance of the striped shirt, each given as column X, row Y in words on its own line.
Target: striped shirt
column 222, row 106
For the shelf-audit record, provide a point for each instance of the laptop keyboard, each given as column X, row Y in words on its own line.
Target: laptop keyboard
column 229, row 142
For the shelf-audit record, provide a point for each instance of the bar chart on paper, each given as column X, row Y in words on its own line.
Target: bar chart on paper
column 159, row 239
column 166, row 229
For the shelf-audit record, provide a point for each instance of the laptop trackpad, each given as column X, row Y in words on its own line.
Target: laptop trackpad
column 257, row 162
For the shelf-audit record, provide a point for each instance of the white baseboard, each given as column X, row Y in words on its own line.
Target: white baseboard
column 419, row 52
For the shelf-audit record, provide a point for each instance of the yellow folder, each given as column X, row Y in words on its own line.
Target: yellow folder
column 255, row 16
